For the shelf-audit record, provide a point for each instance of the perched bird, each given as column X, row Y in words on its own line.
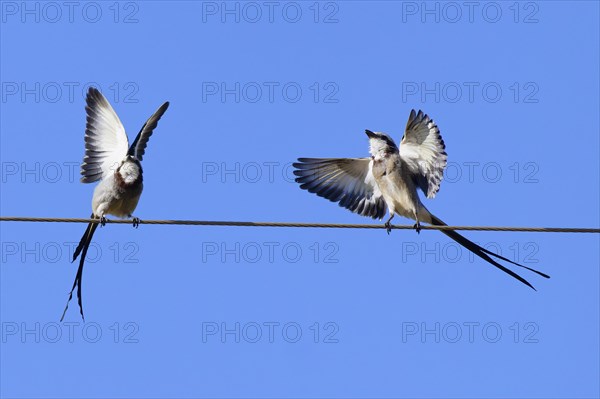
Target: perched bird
column 110, row 159
column 390, row 179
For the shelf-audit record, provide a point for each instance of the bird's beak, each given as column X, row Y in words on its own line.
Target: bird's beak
column 370, row 134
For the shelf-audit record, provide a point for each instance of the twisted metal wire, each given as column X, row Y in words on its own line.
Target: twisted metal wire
column 302, row 225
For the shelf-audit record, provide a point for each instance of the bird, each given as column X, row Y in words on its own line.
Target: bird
column 117, row 165
column 390, row 179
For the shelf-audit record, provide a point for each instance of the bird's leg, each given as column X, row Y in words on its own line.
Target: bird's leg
column 136, row 221
column 388, row 225
column 102, row 221
column 417, row 225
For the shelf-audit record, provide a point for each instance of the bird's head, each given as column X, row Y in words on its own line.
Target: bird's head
column 380, row 144
column 130, row 170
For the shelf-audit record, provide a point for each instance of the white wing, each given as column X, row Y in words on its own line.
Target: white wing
column 105, row 139
column 348, row 181
column 422, row 149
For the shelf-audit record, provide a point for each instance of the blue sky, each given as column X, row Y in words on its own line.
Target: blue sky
column 177, row 311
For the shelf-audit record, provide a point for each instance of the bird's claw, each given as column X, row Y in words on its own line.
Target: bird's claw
column 136, row 222
column 417, row 227
column 102, row 221
column 388, row 227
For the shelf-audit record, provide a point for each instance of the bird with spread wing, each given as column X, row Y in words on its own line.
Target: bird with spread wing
column 390, row 179
column 110, row 159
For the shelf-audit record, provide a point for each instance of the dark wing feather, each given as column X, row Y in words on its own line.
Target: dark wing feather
column 138, row 147
column 348, row 181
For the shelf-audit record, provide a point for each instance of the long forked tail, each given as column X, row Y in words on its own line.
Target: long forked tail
column 483, row 253
column 81, row 248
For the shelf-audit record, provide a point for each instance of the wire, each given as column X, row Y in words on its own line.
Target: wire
column 302, row 225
